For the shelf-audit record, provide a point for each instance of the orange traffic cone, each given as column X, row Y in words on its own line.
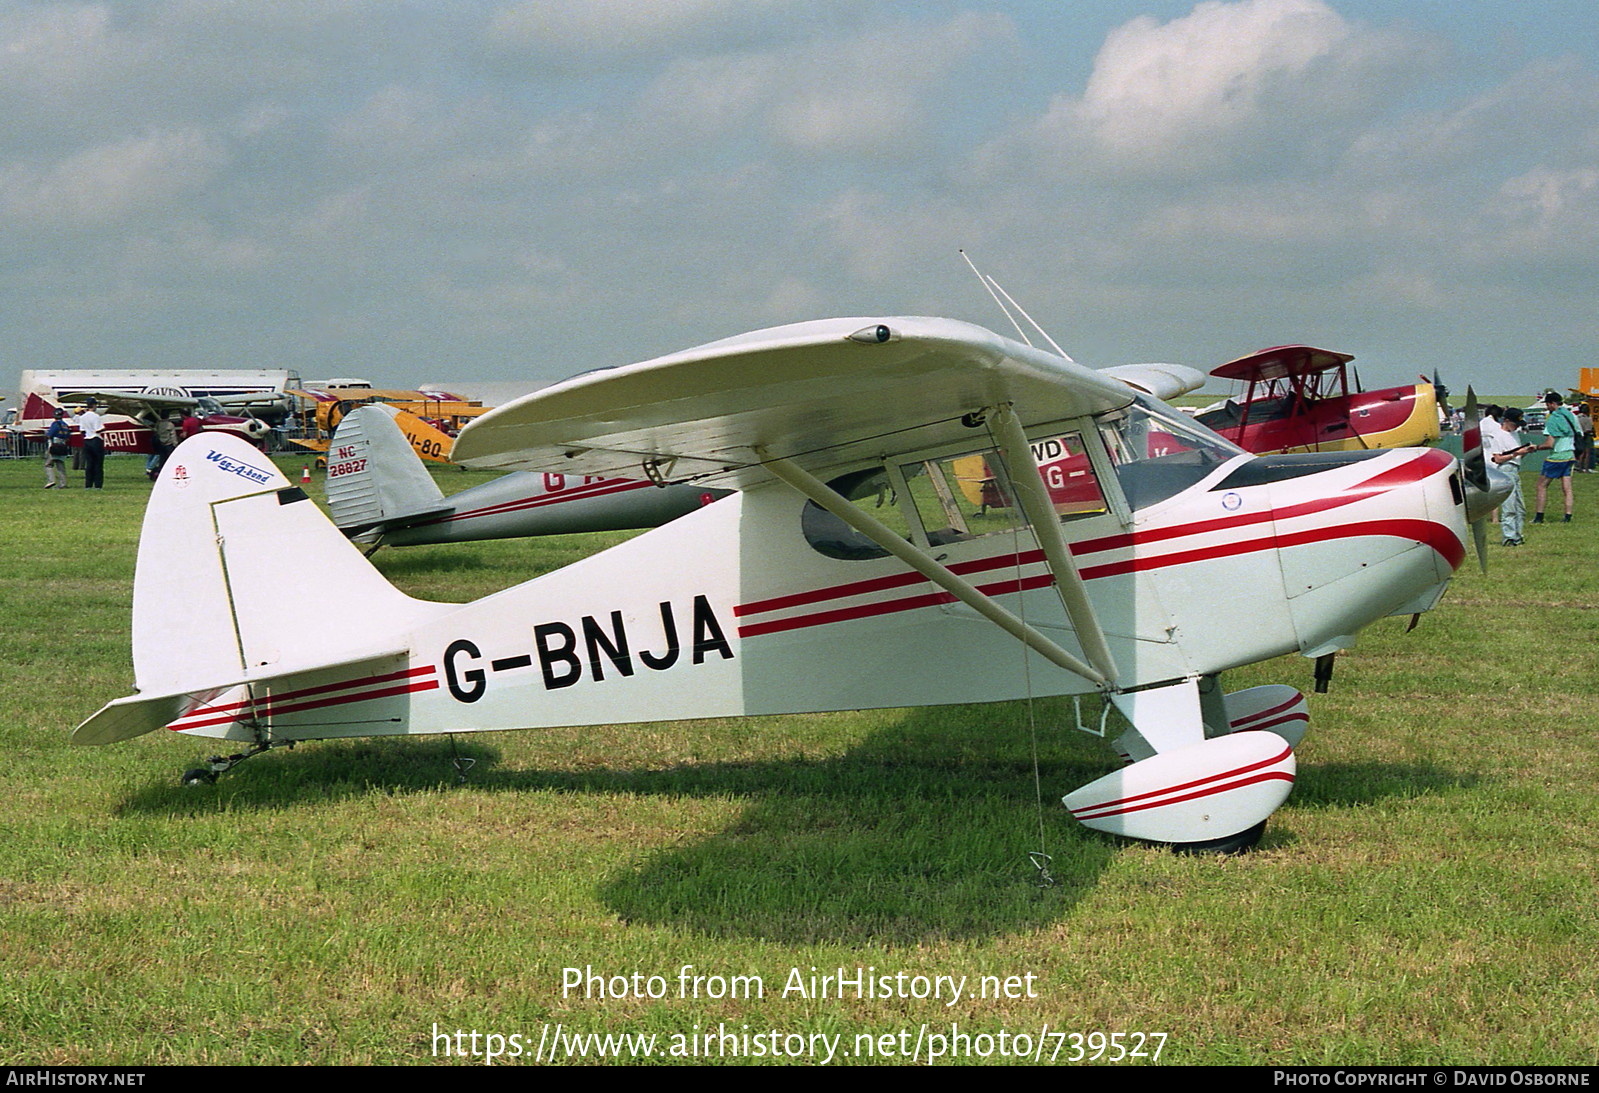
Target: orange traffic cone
column 305, row 476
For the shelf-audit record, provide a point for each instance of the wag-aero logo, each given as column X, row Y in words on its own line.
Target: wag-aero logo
column 243, row 470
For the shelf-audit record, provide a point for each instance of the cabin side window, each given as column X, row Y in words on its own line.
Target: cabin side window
column 960, row 497
column 970, row 495
column 953, row 498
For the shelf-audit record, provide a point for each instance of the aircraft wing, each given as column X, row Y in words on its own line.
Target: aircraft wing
column 121, row 402
column 252, row 398
column 1279, row 361
column 821, row 394
column 1164, row 381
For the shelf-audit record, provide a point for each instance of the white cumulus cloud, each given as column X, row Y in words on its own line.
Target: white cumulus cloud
column 1255, row 82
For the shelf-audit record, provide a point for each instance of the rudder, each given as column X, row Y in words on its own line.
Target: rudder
column 374, row 475
column 241, row 576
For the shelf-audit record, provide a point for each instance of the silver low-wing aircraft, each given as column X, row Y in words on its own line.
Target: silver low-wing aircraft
column 1120, row 550
column 381, row 494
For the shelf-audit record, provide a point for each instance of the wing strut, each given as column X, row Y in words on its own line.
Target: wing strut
column 1033, row 495
column 919, row 560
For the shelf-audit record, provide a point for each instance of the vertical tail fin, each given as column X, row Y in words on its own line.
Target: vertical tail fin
column 237, row 572
column 374, row 475
column 240, row 577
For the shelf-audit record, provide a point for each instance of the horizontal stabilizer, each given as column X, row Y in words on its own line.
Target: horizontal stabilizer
column 129, row 717
column 137, row 714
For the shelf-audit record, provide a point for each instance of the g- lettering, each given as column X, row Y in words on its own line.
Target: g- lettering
column 475, row 683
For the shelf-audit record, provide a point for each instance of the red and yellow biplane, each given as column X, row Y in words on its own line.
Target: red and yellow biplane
column 1297, row 398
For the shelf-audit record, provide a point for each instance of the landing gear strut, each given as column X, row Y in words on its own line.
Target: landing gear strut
column 218, row 765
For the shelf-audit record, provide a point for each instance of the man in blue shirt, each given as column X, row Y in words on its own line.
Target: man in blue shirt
column 1560, row 431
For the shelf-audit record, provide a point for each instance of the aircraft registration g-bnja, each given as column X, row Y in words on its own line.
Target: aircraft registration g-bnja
column 1127, row 551
column 1297, row 398
column 380, row 493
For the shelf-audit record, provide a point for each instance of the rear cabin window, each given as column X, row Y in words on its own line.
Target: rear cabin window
column 828, row 535
column 968, row 496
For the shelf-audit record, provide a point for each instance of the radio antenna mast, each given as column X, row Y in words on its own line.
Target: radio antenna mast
column 997, row 292
column 1020, row 333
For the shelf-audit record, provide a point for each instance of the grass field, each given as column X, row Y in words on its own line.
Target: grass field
column 1427, row 895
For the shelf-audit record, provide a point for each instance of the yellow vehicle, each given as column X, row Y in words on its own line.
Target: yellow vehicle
column 430, row 419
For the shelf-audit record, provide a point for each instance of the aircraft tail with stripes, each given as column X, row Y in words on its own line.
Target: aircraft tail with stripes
column 230, row 554
column 380, row 492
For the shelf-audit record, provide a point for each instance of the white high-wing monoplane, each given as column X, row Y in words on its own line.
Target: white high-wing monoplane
column 1118, row 549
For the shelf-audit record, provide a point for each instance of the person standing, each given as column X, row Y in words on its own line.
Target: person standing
column 167, row 432
column 1560, row 431
column 1584, row 439
column 1504, row 449
column 93, row 445
column 57, row 446
column 1488, row 428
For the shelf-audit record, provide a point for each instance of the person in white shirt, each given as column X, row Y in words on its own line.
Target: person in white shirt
column 1503, row 449
column 93, row 445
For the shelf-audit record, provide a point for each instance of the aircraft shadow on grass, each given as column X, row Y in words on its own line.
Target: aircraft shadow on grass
column 921, row 832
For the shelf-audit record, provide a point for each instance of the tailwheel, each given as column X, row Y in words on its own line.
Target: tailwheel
column 1241, row 843
column 218, row 765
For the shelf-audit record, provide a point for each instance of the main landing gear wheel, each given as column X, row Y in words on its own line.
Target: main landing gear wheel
column 1240, row 843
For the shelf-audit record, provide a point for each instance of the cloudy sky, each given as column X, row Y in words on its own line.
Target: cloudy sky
column 522, row 189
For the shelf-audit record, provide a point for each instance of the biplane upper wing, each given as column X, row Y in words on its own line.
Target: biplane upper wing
column 1280, row 361
column 819, row 394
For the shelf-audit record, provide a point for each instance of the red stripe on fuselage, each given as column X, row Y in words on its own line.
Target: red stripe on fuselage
column 267, row 707
column 581, row 493
column 1425, row 532
column 888, row 607
column 1425, row 464
column 1440, row 538
column 218, row 715
column 881, row 584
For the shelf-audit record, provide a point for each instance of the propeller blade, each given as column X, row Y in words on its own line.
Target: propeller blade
column 1479, row 535
column 1476, row 464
